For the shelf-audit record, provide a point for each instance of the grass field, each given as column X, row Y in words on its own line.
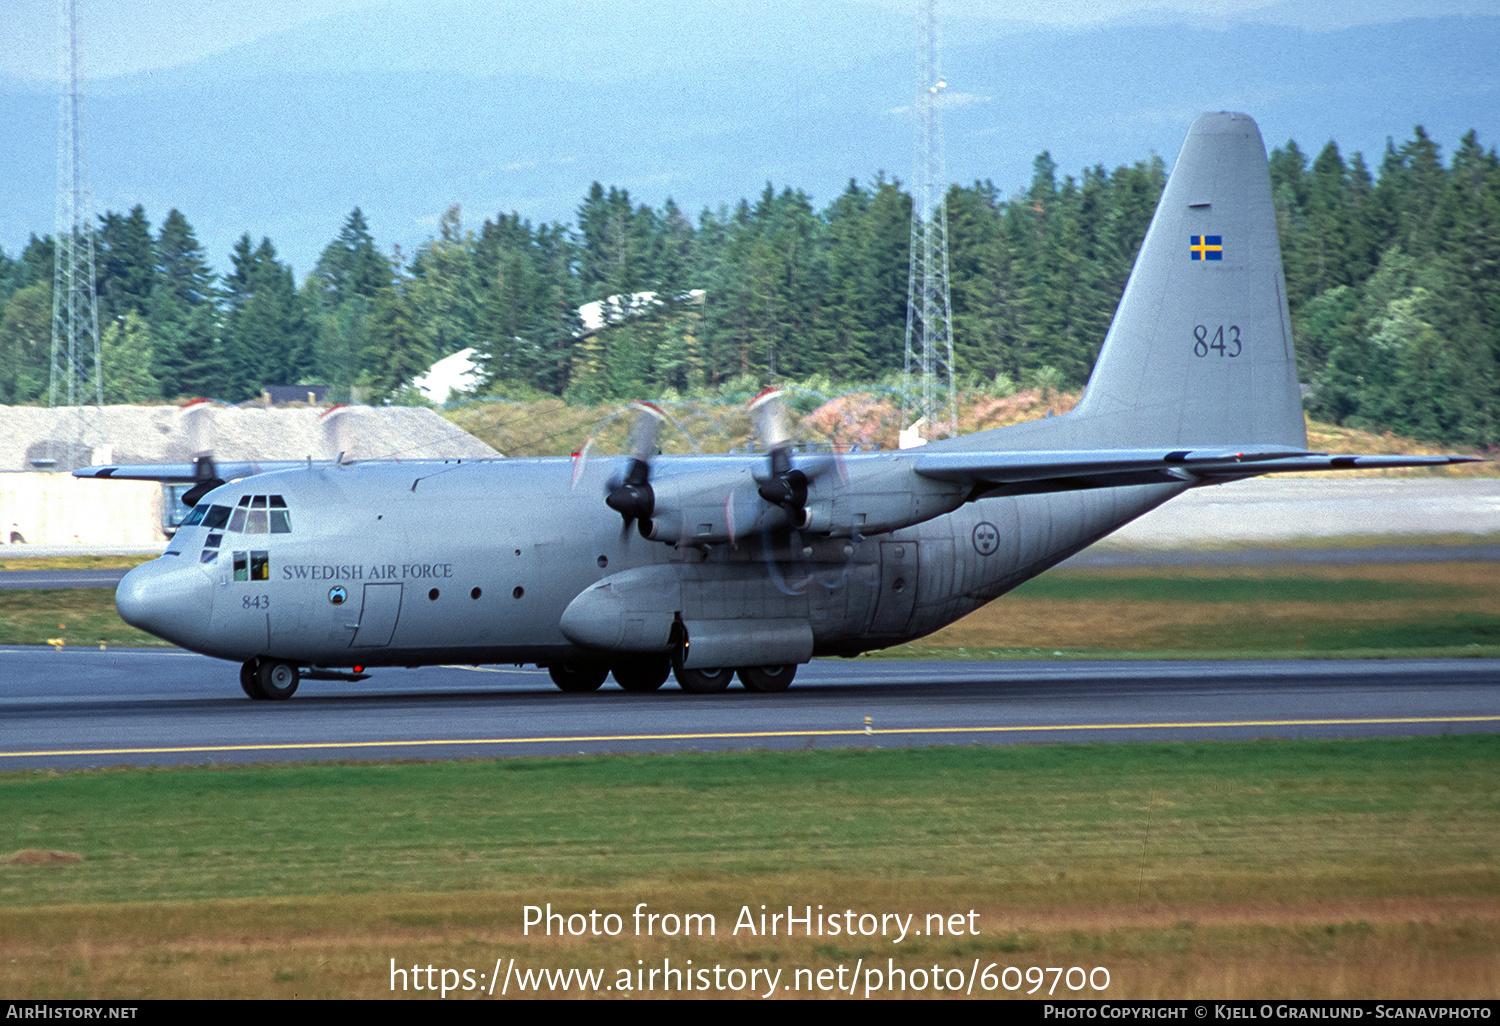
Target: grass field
column 1249, row 870
column 1231, row 870
column 1449, row 609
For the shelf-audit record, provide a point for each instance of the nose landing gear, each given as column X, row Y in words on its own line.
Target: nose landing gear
column 268, row 679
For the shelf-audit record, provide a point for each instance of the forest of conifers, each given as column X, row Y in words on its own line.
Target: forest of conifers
column 1393, row 278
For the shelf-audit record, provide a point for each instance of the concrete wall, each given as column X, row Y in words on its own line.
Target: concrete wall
column 59, row 509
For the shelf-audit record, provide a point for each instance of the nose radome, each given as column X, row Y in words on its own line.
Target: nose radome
column 168, row 598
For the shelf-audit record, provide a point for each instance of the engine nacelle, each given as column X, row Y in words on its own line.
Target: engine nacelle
column 868, row 494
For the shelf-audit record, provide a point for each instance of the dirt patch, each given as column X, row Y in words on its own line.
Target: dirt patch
column 40, row 857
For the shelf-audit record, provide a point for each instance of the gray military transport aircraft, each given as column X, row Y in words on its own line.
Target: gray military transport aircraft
column 752, row 565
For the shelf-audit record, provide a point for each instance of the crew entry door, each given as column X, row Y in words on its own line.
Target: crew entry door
column 899, row 566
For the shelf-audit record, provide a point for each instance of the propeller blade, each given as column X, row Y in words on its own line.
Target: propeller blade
column 645, row 430
column 632, row 496
column 207, row 477
column 785, row 487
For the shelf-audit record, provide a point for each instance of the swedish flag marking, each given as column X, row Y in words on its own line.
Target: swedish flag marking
column 1206, row 247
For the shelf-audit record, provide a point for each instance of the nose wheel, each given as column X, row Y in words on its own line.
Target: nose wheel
column 269, row 679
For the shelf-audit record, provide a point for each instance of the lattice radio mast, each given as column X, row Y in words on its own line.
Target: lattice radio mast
column 75, row 305
column 929, row 309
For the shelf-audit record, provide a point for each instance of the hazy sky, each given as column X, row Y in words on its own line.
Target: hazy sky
column 124, row 36
column 405, row 107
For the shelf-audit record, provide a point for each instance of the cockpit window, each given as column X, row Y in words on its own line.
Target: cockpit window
column 257, row 567
column 216, row 517
column 254, row 514
column 281, row 519
column 256, row 523
column 196, row 516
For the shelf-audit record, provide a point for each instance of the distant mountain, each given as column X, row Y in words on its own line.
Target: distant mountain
column 408, row 109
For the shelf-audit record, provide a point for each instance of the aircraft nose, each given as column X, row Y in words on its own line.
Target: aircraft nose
column 167, row 598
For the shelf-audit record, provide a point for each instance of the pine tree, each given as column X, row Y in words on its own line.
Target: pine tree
column 26, row 344
column 397, row 352
column 126, row 264
column 126, row 351
column 339, row 294
column 269, row 333
column 183, row 315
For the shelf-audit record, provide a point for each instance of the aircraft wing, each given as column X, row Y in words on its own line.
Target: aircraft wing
column 184, row 473
column 1019, row 473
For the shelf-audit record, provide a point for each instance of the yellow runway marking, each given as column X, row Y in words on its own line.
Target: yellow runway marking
column 747, row 735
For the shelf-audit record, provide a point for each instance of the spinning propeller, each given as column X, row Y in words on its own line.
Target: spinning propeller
column 716, row 502
column 632, row 496
column 784, row 485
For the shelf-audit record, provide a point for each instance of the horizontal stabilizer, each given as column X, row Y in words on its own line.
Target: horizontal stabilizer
column 1323, row 461
column 1010, row 467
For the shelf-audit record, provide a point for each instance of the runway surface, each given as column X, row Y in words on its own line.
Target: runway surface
column 86, row 707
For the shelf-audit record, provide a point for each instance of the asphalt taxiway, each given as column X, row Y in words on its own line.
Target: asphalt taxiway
column 86, row 707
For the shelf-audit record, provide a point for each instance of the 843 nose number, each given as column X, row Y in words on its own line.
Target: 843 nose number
column 1224, row 341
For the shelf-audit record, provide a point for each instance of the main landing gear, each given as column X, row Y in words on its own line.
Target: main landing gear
column 645, row 673
column 762, row 679
column 269, row 679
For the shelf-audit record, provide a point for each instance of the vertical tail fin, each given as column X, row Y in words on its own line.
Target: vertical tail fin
column 1200, row 350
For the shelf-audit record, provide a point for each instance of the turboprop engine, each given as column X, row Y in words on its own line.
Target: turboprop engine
column 721, row 499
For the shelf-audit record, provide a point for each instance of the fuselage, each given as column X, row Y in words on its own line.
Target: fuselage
column 478, row 562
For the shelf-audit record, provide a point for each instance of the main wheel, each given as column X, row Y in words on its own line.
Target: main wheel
column 277, row 680
column 249, row 680
column 704, row 681
column 767, row 678
column 578, row 677
column 642, row 673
